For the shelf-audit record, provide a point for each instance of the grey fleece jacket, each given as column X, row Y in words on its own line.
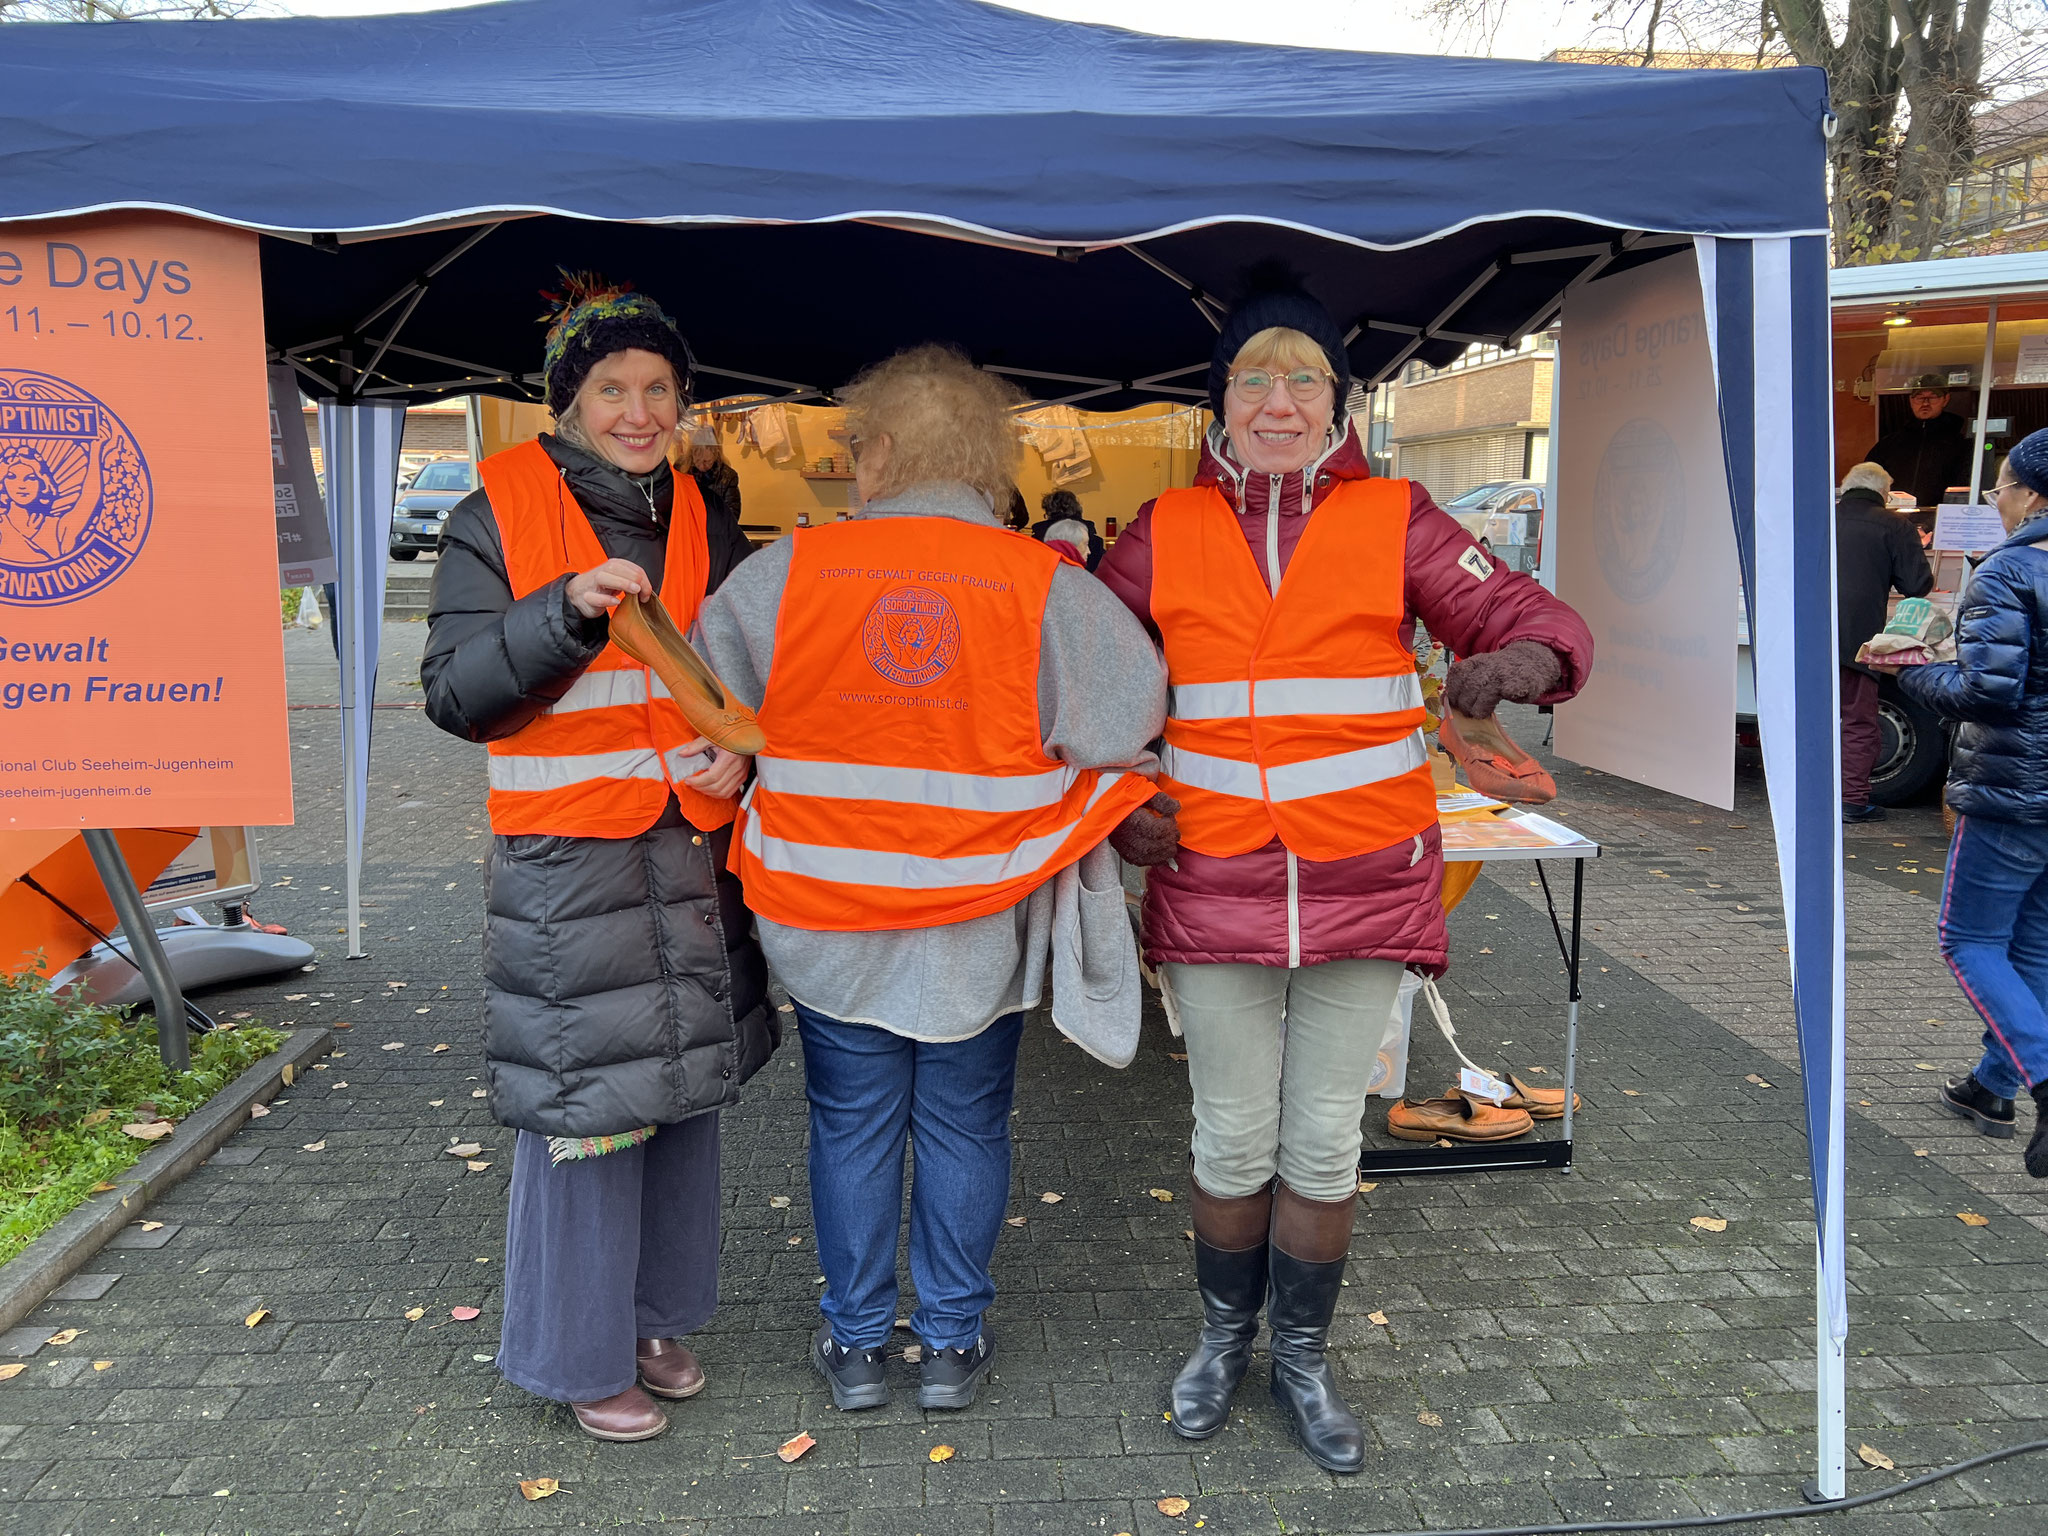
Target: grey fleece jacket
column 1101, row 702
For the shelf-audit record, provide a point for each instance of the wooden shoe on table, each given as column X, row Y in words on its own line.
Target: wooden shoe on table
column 1456, row 1119
column 1538, row 1103
column 1493, row 764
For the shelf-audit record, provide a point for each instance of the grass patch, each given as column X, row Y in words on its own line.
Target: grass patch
column 71, row 1075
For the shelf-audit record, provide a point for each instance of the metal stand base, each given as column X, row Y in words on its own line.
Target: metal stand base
column 1466, row 1159
column 1810, row 1491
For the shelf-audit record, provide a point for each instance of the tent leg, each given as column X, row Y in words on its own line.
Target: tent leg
column 1831, row 1399
column 145, row 947
column 348, row 550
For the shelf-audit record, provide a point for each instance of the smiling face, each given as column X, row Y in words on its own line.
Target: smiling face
column 1278, row 432
column 627, row 409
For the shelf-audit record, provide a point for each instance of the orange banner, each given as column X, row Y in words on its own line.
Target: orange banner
column 141, row 654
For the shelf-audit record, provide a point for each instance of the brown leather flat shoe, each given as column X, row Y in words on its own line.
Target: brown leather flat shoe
column 667, row 1369
column 1541, row 1103
column 1493, row 764
column 631, row 1415
column 1458, row 1119
column 645, row 631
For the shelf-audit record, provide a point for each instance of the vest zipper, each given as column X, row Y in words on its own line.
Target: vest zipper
column 1273, row 483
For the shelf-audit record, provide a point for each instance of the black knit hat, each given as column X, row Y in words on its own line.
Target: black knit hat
column 591, row 320
column 1273, row 296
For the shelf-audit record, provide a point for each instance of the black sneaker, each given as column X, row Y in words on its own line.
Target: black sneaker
column 1856, row 813
column 1969, row 1098
column 947, row 1378
column 855, row 1375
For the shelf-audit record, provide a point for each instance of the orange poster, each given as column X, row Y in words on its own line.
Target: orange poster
column 141, row 653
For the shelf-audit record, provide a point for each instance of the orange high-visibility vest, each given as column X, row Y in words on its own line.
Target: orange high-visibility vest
column 905, row 783
column 602, row 760
column 1294, row 715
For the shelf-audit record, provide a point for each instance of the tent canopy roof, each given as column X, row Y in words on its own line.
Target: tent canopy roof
column 713, row 121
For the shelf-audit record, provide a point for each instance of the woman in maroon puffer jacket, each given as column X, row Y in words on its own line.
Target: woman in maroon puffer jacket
column 1282, row 970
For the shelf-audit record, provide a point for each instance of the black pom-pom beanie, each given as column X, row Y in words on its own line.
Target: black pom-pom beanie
column 1275, row 299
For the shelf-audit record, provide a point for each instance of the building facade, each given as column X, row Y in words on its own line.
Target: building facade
column 1485, row 416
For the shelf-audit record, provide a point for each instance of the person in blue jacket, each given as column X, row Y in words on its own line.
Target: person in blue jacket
column 1994, row 899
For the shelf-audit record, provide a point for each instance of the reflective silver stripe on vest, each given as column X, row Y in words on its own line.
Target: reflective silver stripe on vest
column 602, row 690
column 1346, row 770
column 911, row 871
column 1296, row 696
column 1224, row 775
column 914, row 786
column 560, row 771
column 682, row 764
column 1294, row 781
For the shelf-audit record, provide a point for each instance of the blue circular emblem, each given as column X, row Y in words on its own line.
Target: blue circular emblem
column 74, row 492
column 1639, row 510
column 911, row 636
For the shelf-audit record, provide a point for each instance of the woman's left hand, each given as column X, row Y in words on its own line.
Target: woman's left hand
column 722, row 780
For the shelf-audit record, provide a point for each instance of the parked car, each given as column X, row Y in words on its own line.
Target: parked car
column 424, row 504
column 1504, row 515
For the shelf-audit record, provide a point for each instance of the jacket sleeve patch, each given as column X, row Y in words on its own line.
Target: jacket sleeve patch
column 1475, row 562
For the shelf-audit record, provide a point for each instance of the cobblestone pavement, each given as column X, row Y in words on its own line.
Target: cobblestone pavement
column 1554, row 1346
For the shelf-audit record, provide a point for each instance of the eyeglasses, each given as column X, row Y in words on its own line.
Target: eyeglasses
column 1254, row 384
column 2004, row 486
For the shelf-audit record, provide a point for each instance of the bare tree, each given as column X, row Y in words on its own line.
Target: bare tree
column 1907, row 78
column 131, row 10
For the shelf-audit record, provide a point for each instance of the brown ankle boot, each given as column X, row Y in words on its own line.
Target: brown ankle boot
column 667, row 1369
column 628, row 1415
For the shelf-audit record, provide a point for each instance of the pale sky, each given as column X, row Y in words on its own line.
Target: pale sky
column 1533, row 27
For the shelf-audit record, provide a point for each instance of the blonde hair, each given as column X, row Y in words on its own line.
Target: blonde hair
column 1867, row 476
column 945, row 419
column 1280, row 348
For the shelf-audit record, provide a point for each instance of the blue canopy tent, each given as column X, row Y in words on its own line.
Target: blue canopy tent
column 831, row 179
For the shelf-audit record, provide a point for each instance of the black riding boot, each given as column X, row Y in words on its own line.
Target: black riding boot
column 2037, row 1149
column 1306, row 1264
column 1230, row 1270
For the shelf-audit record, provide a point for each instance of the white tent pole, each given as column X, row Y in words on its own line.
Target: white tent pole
column 1983, row 404
column 1831, row 1393
column 343, row 474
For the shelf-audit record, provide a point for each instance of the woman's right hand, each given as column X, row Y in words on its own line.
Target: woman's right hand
column 597, row 592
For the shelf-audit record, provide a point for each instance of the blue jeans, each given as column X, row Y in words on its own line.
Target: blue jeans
column 870, row 1091
column 1994, row 936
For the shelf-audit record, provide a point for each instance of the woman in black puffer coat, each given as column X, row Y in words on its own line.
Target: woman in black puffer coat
column 626, row 999
column 1994, row 900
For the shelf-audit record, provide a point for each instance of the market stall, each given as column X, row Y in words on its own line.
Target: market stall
column 1066, row 203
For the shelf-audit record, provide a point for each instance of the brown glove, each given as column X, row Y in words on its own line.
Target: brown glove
column 1523, row 672
column 1150, row 834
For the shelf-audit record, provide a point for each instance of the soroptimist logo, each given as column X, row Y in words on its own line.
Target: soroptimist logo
column 911, row 636
column 74, row 492
column 1639, row 510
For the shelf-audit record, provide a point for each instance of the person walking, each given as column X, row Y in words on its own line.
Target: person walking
column 1929, row 452
column 625, row 999
column 1877, row 552
column 1994, row 897
column 1284, row 586
column 955, row 715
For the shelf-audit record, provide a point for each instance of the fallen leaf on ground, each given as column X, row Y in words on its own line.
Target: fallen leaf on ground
column 1163, row 1196
column 1539, row 1069
column 392, row 1045
column 778, row 1202
column 796, row 1240
column 420, row 1010
column 100, row 1188
column 539, row 1488
column 1923, row 1066
column 465, row 1314
column 101, row 1365
column 148, row 1130
column 1711, row 1223
column 435, row 1103
column 64, row 1336
column 315, row 1146
column 258, row 1111
column 1920, row 1152
column 150, row 1226
column 476, row 1166
column 479, row 1093
column 1871, row 1456
column 1174, row 1507
column 789, row 1450
column 256, row 1317
column 465, row 1149
column 1049, row 1198
column 97, row 1117
column 437, row 1050
column 1176, row 1055
column 1188, row 1233
column 337, row 1085
column 1972, row 1219
column 1753, row 1078
column 1630, row 1093
column 414, row 1314
column 9, row 1372
column 1377, row 1317
column 1013, row 1221
column 940, row 1453
column 1367, row 1186
column 288, row 1073
column 1433, row 1420
column 1440, row 1142
column 296, row 997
